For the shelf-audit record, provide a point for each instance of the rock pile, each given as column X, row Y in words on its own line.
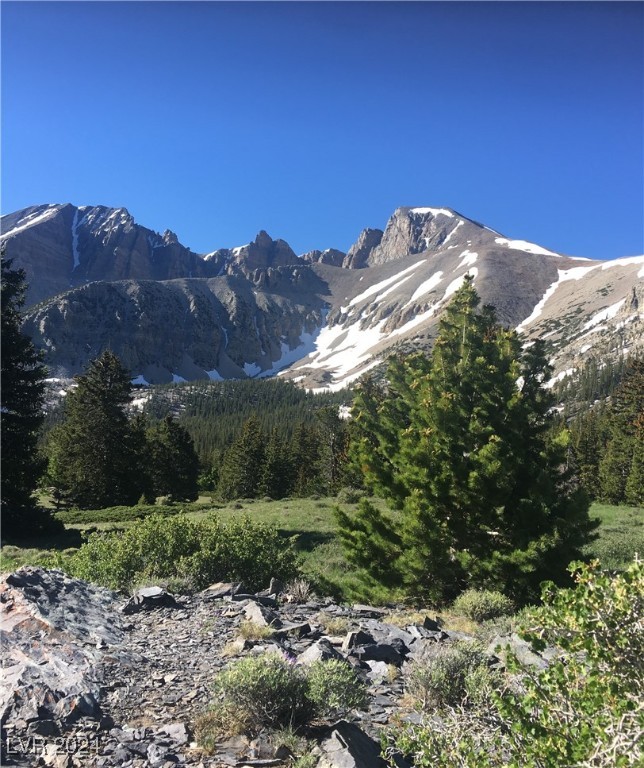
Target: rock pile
column 94, row 679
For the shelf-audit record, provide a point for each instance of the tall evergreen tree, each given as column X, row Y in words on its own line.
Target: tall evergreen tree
column 94, row 455
column 620, row 468
column 277, row 469
column 21, row 414
column 242, row 464
column 457, row 443
column 174, row 464
column 305, row 459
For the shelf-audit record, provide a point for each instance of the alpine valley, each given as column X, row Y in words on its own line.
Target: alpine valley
column 99, row 280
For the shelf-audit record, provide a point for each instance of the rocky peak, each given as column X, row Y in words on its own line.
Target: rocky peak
column 264, row 252
column 330, row 256
column 419, row 230
column 169, row 237
column 358, row 255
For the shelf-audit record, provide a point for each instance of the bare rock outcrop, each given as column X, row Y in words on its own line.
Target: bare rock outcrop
column 55, row 631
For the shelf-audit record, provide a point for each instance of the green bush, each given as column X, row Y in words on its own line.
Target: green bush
column 333, row 689
column 585, row 709
column 176, row 547
column 445, row 678
column 271, row 691
column 483, row 604
column 617, row 545
column 350, row 495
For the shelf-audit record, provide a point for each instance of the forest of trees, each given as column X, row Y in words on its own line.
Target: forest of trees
column 607, row 441
column 312, row 460
column 448, row 435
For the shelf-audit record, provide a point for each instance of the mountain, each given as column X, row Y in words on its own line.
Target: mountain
column 98, row 279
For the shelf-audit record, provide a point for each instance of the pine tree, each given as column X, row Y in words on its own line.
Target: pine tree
column 277, row 469
column 242, row 464
column 94, row 453
column 174, row 465
column 620, row 465
column 305, row 459
column 457, row 443
column 21, row 411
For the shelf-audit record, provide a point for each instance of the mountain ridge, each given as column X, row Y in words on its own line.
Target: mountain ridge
column 323, row 318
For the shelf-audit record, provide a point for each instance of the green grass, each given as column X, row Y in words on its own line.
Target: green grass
column 311, row 522
column 620, row 535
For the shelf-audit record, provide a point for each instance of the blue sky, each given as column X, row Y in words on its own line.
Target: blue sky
column 314, row 120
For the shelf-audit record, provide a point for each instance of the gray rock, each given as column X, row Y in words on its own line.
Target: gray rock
column 378, row 652
column 356, row 638
column 262, row 615
column 322, row 650
column 149, row 599
column 223, row 589
column 367, row 611
column 347, row 746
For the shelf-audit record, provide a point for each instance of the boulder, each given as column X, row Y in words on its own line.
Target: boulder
column 322, row 650
column 55, row 632
column 149, row 599
column 261, row 615
column 347, row 746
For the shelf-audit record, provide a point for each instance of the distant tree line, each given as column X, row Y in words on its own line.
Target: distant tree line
column 312, row 459
column 214, row 412
column 607, row 441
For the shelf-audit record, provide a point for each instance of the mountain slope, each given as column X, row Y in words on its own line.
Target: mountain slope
column 321, row 319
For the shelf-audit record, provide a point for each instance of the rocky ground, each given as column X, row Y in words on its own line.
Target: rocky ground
column 92, row 679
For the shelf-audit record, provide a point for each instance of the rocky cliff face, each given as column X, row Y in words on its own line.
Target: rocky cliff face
column 61, row 246
column 322, row 319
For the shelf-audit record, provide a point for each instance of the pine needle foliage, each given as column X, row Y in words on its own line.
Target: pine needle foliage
column 21, row 414
column 457, row 443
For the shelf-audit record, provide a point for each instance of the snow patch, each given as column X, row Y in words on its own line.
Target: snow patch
column 576, row 273
column 176, row 379
column 382, row 284
column 252, row 369
column 585, row 348
column 456, row 284
column 29, row 221
column 426, row 287
column 561, row 375
column 75, row 241
column 604, row 314
column 460, row 224
column 468, row 259
column 524, row 245
column 433, row 211
column 214, row 375
column 626, row 262
column 140, row 380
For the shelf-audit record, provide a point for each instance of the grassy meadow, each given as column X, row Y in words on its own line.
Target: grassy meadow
column 310, row 523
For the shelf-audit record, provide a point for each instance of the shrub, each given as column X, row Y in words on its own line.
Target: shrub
column 298, row 590
column 334, row 689
column 350, row 495
column 481, row 605
column 271, row 691
column 587, row 706
column 265, row 691
column 585, row 709
column 251, row 630
column 177, row 547
column 441, row 679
